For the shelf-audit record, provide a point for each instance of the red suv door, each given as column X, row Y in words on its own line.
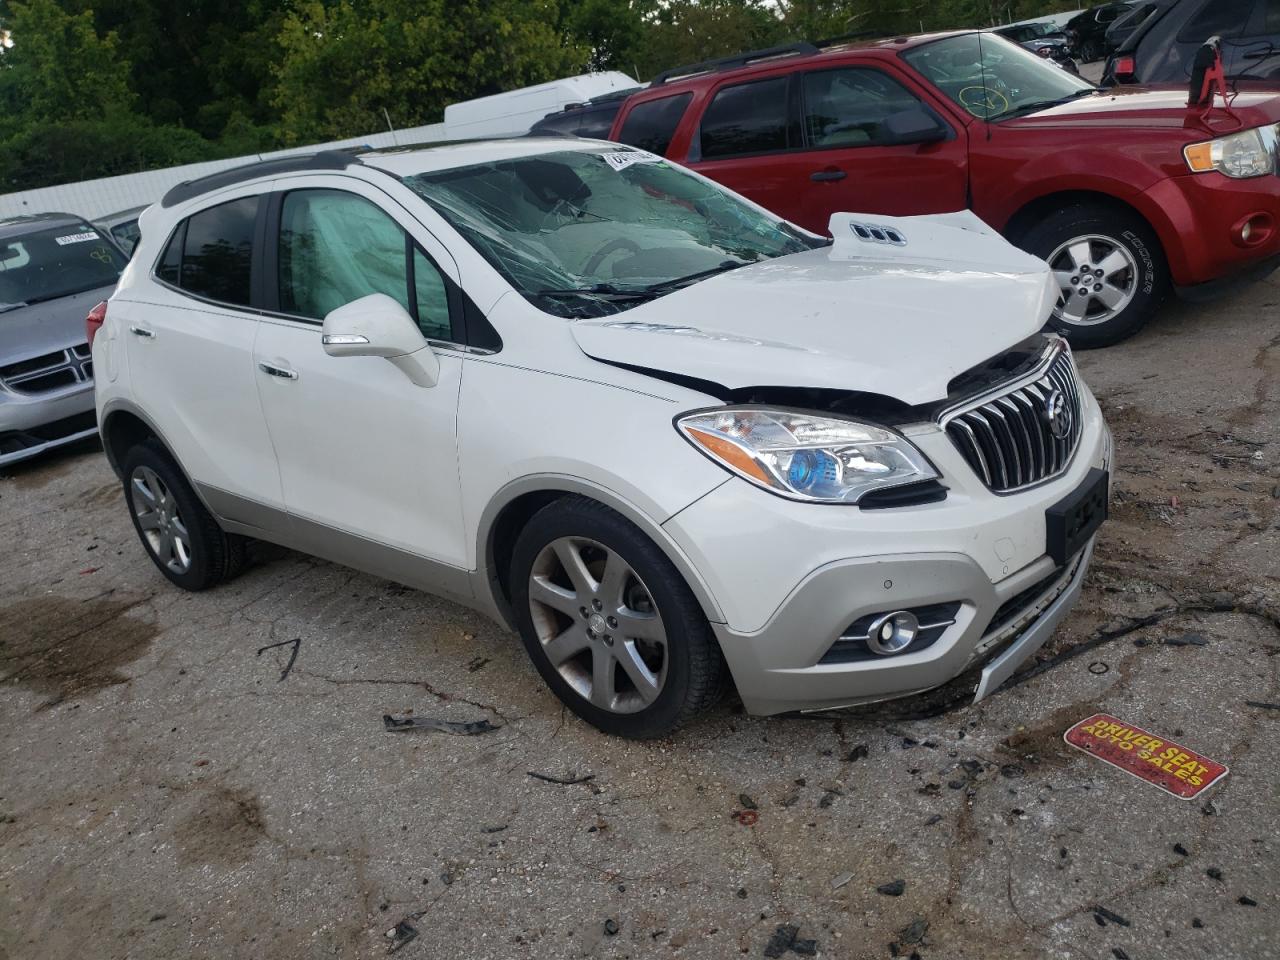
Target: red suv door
column 816, row 142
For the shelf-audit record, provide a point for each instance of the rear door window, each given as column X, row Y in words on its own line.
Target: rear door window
column 58, row 262
column 847, row 108
column 745, row 119
column 217, row 252
column 336, row 247
column 651, row 125
column 1222, row 18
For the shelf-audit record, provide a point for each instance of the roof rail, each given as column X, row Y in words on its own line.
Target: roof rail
column 737, row 60
column 323, row 160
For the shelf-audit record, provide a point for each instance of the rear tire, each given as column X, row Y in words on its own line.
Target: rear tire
column 180, row 536
column 612, row 628
column 1098, row 309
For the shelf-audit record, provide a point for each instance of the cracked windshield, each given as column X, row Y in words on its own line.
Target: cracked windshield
column 587, row 232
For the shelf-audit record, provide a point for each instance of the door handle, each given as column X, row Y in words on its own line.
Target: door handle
column 143, row 332
column 830, row 174
column 272, row 370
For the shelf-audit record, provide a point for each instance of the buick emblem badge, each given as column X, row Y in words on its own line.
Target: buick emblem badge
column 1058, row 415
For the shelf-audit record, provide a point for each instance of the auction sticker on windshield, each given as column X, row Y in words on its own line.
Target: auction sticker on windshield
column 75, row 238
column 1158, row 760
column 622, row 159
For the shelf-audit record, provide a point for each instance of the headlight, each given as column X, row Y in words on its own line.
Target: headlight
column 805, row 457
column 1249, row 153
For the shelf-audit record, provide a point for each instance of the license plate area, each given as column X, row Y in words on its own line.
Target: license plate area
column 1075, row 518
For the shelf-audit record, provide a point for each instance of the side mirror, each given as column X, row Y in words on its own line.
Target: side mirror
column 913, row 126
column 377, row 326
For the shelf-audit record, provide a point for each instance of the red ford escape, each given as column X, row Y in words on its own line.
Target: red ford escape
column 1124, row 192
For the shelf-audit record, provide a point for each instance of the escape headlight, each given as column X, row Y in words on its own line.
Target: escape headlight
column 1249, row 153
column 802, row 456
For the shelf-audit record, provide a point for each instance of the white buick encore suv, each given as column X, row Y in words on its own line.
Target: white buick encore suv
column 674, row 441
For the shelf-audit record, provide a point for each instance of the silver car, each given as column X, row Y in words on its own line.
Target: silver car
column 122, row 227
column 54, row 267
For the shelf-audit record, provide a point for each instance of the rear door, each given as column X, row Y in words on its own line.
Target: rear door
column 851, row 163
column 190, row 353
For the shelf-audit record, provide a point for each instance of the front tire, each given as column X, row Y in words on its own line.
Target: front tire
column 609, row 622
column 1109, row 267
column 180, row 536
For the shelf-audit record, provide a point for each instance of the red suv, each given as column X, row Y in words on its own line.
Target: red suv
column 1124, row 192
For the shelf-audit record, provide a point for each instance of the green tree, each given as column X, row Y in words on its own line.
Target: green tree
column 58, row 69
column 687, row 31
column 345, row 63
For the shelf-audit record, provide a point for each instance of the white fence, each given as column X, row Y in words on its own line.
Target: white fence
column 96, row 198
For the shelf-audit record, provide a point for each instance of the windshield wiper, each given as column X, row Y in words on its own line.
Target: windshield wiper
column 601, row 291
column 1043, row 104
column 666, row 286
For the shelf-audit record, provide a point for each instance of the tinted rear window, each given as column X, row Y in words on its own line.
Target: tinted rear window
column 47, row 264
column 747, row 118
column 651, row 125
column 1224, row 18
column 218, row 251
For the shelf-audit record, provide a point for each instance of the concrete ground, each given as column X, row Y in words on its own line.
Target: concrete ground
column 164, row 793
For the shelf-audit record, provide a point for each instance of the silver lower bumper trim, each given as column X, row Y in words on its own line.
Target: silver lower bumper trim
column 1036, row 635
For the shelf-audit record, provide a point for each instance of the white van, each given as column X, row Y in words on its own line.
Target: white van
column 513, row 113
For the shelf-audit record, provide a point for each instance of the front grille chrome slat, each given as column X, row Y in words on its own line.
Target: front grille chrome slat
column 1009, row 440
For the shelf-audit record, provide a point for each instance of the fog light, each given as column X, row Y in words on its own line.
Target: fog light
column 892, row 633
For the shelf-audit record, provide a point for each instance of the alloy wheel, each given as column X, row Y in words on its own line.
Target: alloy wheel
column 161, row 524
column 598, row 624
column 1098, row 277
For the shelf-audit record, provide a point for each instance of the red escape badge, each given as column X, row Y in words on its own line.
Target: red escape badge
column 1170, row 766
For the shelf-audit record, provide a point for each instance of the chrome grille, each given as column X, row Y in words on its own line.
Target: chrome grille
column 1007, row 437
column 51, row 371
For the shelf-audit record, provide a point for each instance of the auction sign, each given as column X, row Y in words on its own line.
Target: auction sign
column 1157, row 760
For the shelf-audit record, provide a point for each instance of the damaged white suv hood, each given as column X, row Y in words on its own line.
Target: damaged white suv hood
column 898, row 313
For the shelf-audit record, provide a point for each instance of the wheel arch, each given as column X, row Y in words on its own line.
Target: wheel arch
column 1040, row 207
column 517, row 502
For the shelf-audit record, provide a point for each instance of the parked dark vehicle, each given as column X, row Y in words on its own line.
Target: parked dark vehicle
column 1163, row 48
column 1124, row 26
column 1042, row 39
column 53, row 268
column 591, row 119
column 1088, row 29
column 122, row 227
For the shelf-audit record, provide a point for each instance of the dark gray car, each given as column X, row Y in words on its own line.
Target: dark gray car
column 1163, row 47
column 53, row 268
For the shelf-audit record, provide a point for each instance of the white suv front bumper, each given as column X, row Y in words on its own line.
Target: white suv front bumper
column 791, row 578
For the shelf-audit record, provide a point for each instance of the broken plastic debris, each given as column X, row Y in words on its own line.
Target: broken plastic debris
column 401, row 934
column 468, row 728
column 841, row 880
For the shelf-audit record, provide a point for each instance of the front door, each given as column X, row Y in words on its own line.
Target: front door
column 368, row 459
column 849, row 162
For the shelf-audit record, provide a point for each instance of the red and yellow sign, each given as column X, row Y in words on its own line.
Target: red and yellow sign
column 1157, row 760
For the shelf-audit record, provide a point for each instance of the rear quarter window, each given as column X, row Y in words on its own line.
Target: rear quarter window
column 651, row 125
